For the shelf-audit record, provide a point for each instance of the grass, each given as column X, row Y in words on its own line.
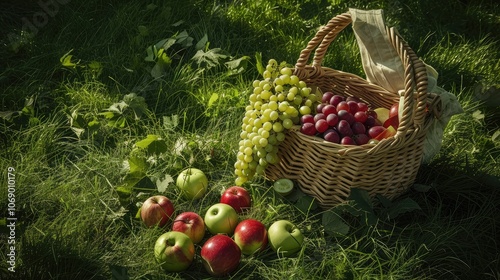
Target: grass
column 76, row 219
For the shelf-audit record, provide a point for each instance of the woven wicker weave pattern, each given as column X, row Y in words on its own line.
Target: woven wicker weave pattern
column 327, row 171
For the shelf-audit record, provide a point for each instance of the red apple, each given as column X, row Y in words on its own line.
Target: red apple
column 237, row 197
column 394, row 110
column 251, row 236
column 156, row 210
column 220, row 255
column 389, row 132
column 174, row 251
column 392, row 121
column 191, row 224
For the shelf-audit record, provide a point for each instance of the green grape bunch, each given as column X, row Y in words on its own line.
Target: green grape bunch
column 275, row 105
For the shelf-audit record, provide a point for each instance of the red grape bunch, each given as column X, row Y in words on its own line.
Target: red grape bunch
column 342, row 120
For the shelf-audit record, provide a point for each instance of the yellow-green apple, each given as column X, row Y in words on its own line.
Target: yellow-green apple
column 191, row 224
column 156, row 210
column 220, row 255
column 174, row 251
column 221, row 218
column 238, row 197
column 192, row 183
column 285, row 238
column 382, row 114
column 251, row 236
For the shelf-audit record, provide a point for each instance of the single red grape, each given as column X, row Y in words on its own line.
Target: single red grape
column 336, row 99
column 343, row 106
column 331, row 135
column 321, row 126
column 332, row 120
column 329, row 109
column 346, row 140
column 307, row 119
column 326, row 97
column 360, row 116
column 308, row 129
column 319, row 116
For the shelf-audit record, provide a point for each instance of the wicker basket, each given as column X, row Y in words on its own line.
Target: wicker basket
column 327, row 171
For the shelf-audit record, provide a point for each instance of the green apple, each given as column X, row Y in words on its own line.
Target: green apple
column 174, row 251
column 221, row 218
column 192, row 183
column 285, row 238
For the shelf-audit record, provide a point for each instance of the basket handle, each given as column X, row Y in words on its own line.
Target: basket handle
column 415, row 91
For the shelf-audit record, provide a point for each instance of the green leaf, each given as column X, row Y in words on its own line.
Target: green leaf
column 260, row 67
column 153, row 144
column 164, row 44
column 146, row 142
column 362, row 201
column 170, row 122
column 361, row 198
column 184, row 39
column 8, row 115
column 202, row 42
column 334, row 224
column 401, row 207
column 210, row 58
column 138, row 164
column 237, row 66
column 66, row 60
column 496, row 136
column 162, row 185
column 478, row 115
column 306, row 203
column 212, row 100
column 384, row 200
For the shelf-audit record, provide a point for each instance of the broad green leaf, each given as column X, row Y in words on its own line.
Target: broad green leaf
column 138, row 164
column 239, row 65
column 162, row 185
column 146, row 142
column 478, row 115
column 8, row 115
column 107, row 115
column 384, row 200
column 361, row 198
column 202, row 42
column 213, row 98
column 150, row 54
column 306, row 203
column 184, row 39
column 363, row 202
column 401, row 207
column 153, row 144
column 170, row 122
column 164, row 44
column 210, row 58
column 334, row 224
column 76, row 120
